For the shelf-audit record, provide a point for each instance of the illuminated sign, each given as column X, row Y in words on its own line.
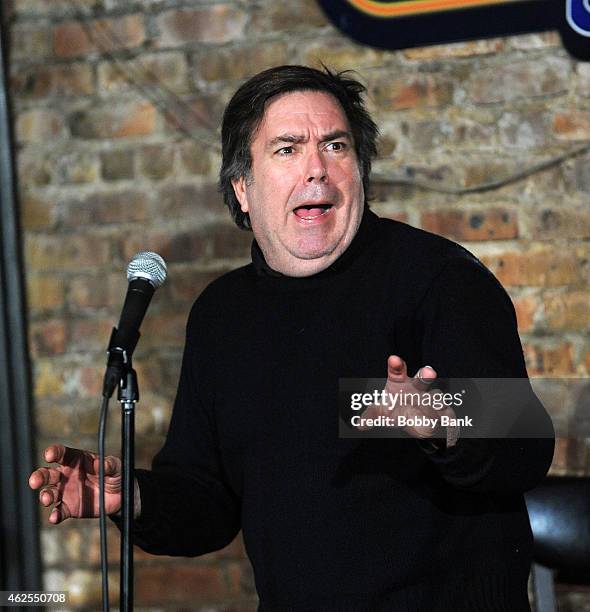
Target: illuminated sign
column 400, row 24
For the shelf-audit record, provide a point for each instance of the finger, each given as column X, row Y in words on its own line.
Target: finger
column 397, row 370
column 55, row 453
column 112, row 466
column 44, row 476
column 48, row 496
column 425, row 377
column 59, row 513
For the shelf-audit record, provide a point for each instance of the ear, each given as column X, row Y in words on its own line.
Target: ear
column 239, row 186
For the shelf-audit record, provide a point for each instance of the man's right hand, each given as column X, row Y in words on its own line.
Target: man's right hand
column 72, row 486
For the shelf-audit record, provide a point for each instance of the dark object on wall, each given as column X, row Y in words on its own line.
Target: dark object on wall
column 401, row 24
column 559, row 510
column 19, row 538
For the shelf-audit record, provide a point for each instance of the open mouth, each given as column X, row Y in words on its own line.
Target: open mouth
column 312, row 211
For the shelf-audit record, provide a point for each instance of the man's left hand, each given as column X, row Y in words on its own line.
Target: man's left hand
column 398, row 382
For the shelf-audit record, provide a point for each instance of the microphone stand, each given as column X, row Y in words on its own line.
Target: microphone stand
column 128, row 395
column 120, row 373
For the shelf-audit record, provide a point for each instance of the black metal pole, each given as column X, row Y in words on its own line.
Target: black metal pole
column 20, row 563
column 128, row 396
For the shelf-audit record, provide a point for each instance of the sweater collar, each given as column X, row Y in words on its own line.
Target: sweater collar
column 360, row 240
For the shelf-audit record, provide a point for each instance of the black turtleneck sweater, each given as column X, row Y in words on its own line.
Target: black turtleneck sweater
column 334, row 524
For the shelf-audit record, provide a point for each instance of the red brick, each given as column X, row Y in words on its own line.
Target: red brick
column 167, row 70
column 92, row 538
column 156, row 161
column 218, row 24
column 36, row 213
column 524, row 130
column 158, row 375
column 195, row 158
column 47, row 337
column 572, row 125
column 562, row 222
column 339, row 54
column 536, row 267
column 96, row 290
column 580, row 173
column 84, row 589
column 190, row 201
column 117, row 165
column 52, row 419
column 520, row 79
column 48, row 379
column 44, row 291
column 549, row 360
column 386, row 145
column 30, row 41
column 106, row 208
column 118, row 121
column 480, row 172
column 49, row 7
column 33, row 171
column 526, row 308
column 167, row 329
column 62, row 81
column 484, row 224
column 175, row 584
column 239, row 63
column 88, row 335
column 76, row 168
column 174, row 247
column 567, row 311
column 287, row 17
column 89, row 378
column 230, row 241
column 85, row 417
column 65, row 252
column 38, row 126
column 73, row 39
column 202, row 112
column 92, row 541
column 413, row 91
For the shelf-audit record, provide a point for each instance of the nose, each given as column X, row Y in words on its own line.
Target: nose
column 316, row 170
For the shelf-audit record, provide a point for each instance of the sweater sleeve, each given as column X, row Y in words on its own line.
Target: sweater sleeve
column 469, row 330
column 188, row 507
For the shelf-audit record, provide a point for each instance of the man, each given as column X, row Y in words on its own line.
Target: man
column 333, row 292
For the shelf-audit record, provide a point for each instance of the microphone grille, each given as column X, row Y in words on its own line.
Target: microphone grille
column 147, row 265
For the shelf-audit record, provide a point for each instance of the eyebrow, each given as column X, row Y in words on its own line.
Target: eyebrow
column 296, row 139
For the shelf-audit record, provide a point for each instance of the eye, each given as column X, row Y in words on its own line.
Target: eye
column 285, row 151
column 336, row 146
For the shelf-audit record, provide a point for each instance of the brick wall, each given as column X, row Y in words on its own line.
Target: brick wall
column 116, row 106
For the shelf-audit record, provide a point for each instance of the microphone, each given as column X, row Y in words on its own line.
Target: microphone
column 146, row 272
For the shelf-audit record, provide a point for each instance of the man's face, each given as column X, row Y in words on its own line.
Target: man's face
column 305, row 194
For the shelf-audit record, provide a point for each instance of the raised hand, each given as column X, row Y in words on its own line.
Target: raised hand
column 398, row 382
column 72, row 486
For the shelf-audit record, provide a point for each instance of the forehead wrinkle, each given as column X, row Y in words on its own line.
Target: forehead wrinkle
column 290, row 138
